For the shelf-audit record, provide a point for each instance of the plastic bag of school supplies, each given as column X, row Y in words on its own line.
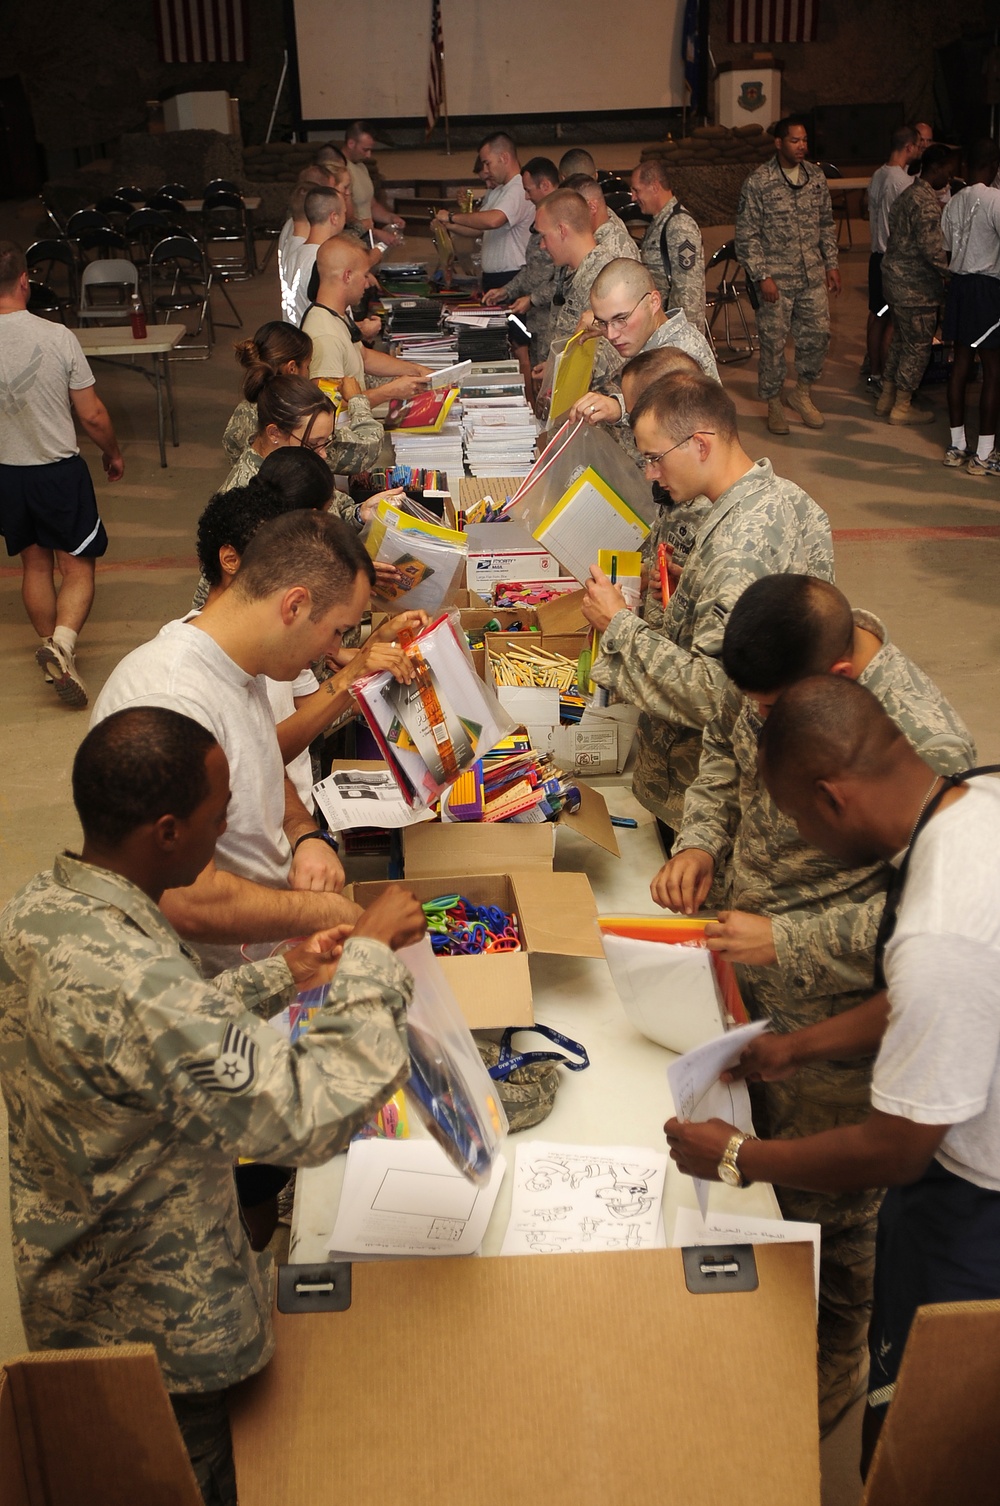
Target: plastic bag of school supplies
column 449, row 1088
column 432, row 730
column 583, row 494
column 430, row 570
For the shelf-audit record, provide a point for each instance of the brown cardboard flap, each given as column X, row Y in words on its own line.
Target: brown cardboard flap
column 475, row 846
column 492, row 992
column 575, row 1380
column 93, row 1427
column 592, row 820
column 557, row 914
column 940, row 1442
column 563, row 614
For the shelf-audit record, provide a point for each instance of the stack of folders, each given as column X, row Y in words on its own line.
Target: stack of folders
column 482, row 333
column 427, row 431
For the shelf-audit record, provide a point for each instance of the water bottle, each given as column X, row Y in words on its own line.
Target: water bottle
column 137, row 318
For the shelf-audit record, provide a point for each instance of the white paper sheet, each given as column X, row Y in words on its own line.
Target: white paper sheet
column 722, row 1228
column 568, row 1199
column 404, row 1198
column 698, row 1094
column 365, row 797
column 587, row 524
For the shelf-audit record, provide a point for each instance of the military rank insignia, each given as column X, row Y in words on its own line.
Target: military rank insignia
column 233, row 1070
column 687, row 255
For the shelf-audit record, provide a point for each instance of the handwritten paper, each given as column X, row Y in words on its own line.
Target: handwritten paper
column 699, row 1095
column 568, row 1199
column 734, row 1228
column 405, row 1197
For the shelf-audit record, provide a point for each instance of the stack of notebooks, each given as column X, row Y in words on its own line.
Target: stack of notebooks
column 482, row 333
column 412, row 316
column 434, row 349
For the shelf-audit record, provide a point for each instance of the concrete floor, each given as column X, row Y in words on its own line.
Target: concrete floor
column 915, row 543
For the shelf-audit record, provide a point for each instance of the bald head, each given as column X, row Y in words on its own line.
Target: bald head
column 649, row 366
column 576, row 161
column 629, row 279
column 344, row 253
column 786, row 628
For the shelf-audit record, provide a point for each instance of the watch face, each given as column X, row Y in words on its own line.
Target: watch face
column 730, row 1175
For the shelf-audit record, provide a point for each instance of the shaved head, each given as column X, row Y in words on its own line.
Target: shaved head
column 566, row 207
column 342, row 253
column 577, row 161
column 826, row 727
column 629, row 279
column 649, row 366
column 786, row 628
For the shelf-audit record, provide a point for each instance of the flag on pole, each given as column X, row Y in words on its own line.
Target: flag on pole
column 435, row 75
column 203, row 31
column 691, row 54
column 773, row 20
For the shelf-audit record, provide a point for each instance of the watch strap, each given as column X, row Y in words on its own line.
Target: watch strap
column 319, row 836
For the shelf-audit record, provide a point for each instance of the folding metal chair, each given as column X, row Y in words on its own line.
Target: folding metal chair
column 106, row 290
column 133, row 194
column 218, row 185
column 168, row 204
column 44, row 257
column 45, row 301
column 184, row 268
column 115, row 209
column 728, row 293
column 224, row 223
column 55, row 217
column 176, row 190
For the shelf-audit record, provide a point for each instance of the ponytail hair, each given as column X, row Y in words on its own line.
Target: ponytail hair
column 287, row 401
column 273, row 346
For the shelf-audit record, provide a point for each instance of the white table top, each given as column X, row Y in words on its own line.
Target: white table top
column 621, row 1099
column 117, row 340
column 835, row 184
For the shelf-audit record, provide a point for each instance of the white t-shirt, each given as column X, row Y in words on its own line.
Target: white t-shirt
column 301, row 263
column 504, row 250
column 185, row 670
column 282, row 695
column 40, row 363
column 885, row 188
column 939, row 1062
column 971, row 228
column 289, row 246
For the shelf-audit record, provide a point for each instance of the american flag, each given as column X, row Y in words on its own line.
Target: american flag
column 773, row 20
column 203, row 31
column 435, row 73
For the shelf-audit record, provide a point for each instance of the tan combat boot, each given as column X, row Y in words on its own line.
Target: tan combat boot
column 886, row 399
column 903, row 413
column 801, row 403
column 776, row 420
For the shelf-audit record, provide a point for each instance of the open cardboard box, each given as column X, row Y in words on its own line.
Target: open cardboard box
column 474, row 846
column 561, row 616
column 556, row 914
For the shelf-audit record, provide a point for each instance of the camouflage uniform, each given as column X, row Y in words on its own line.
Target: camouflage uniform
column 913, row 271
column 683, row 287
column 762, row 524
column 786, row 232
column 357, row 442
column 132, row 1085
column 614, row 235
column 574, row 293
column 676, row 330
column 825, row 919
column 536, row 280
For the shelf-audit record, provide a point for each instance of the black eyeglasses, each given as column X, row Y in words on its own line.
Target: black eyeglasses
column 648, row 460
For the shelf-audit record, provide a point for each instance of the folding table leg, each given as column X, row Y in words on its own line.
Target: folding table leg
column 168, row 379
column 158, row 383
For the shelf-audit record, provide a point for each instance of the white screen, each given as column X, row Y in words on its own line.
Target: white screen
column 369, row 58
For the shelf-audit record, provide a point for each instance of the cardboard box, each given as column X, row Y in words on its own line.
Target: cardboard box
column 599, row 743
column 556, row 914
column 561, row 616
column 473, row 846
column 576, row 1380
column 506, row 551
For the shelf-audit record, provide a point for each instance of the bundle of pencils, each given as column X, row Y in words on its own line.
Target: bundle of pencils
column 521, row 666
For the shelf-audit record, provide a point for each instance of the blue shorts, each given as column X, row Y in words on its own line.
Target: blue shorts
column 938, row 1241
column 53, row 506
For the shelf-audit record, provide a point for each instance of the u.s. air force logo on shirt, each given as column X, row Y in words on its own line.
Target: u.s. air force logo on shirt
column 687, row 255
column 233, row 1070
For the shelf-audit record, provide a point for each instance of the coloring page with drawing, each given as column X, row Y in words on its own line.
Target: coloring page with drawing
column 568, row 1199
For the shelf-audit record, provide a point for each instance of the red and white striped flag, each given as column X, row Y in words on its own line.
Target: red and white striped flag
column 435, row 75
column 773, row 20
column 203, row 31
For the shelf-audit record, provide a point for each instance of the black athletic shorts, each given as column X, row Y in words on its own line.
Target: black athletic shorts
column 938, row 1241
column 876, row 297
column 972, row 309
column 53, row 506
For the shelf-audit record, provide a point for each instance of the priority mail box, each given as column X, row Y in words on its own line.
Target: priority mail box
column 506, row 551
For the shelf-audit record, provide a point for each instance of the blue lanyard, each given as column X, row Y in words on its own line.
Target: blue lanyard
column 509, row 1060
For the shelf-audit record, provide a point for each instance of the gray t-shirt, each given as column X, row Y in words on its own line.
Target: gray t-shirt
column 40, row 363
column 185, row 670
column 939, row 1062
